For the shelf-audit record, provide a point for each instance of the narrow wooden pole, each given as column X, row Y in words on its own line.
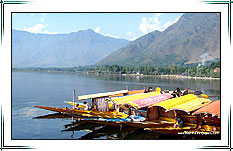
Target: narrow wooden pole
column 74, row 99
column 73, row 104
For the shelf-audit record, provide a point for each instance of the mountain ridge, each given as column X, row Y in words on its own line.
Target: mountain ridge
column 193, row 38
column 84, row 47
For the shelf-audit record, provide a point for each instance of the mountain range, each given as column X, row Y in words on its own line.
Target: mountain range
column 81, row 48
column 194, row 38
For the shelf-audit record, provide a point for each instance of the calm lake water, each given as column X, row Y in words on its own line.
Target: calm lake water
column 52, row 89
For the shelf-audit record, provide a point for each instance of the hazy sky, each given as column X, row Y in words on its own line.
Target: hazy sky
column 120, row 25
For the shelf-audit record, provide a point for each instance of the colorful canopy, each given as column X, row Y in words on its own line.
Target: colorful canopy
column 131, row 98
column 150, row 100
column 135, row 92
column 187, row 103
column 212, row 108
column 91, row 96
column 128, row 93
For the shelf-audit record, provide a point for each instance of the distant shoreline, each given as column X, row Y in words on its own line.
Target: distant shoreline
column 135, row 75
column 170, row 76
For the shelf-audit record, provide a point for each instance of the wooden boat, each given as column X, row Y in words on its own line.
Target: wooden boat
column 133, row 121
column 104, row 111
column 116, row 121
column 212, row 108
column 193, row 107
column 132, row 98
column 149, row 124
column 136, row 124
column 53, row 116
column 81, row 105
column 103, row 95
column 209, row 116
column 137, row 101
column 141, row 101
column 165, row 111
column 161, row 109
column 185, row 104
column 84, row 113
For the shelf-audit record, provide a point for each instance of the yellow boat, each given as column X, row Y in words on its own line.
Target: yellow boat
column 84, row 113
column 81, row 105
column 108, row 111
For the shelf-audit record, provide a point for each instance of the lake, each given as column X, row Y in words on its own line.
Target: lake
column 52, row 89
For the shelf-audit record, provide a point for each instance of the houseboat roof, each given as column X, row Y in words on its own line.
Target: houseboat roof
column 132, row 98
column 212, row 108
column 98, row 95
column 187, row 103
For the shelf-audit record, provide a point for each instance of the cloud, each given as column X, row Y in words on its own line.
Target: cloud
column 169, row 23
column 43, row 14
column 97, row 29
column 147, row 27
column 38, row 28
column 32, row 14
column 110, row 35
column 132, row 36
column 152, row 23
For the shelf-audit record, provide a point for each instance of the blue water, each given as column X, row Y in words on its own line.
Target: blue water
column 52, row 89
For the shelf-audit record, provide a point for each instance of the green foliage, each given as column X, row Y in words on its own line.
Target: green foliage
column 172, row 69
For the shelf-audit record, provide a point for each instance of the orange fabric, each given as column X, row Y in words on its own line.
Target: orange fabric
column 135, row 92
column 213, row 108
column 128, row 93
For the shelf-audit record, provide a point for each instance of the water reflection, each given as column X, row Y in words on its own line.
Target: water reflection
column 98, row 131
column 208, row 86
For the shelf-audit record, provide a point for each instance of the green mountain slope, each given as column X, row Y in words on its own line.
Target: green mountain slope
column 194, row 38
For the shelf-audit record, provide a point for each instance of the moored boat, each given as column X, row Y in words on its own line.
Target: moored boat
column 152, row 111
column 209, row 116
column 161, row 115
column 84, row 113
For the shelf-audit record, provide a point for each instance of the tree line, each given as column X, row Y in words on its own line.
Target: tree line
column 211, row 70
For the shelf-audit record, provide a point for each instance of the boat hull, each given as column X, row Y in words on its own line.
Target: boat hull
column 84, row 113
